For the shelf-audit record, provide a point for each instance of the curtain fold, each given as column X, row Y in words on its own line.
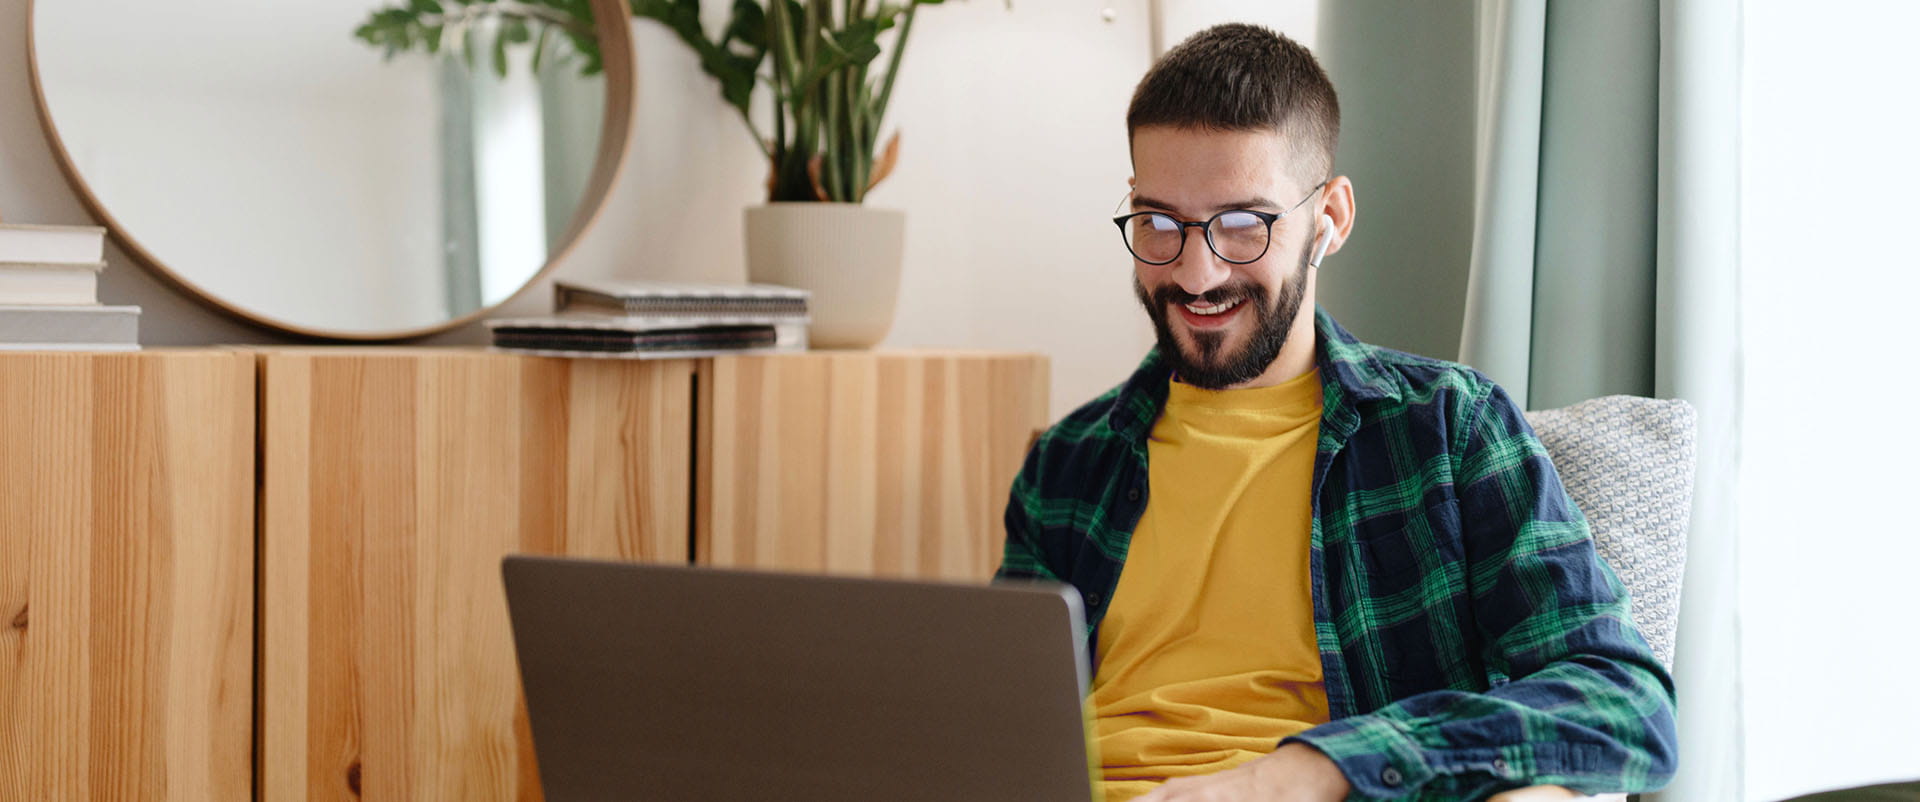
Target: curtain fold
column 1697, row 336
column 1593, row 281
column 1561, row 296
column 1513, row 38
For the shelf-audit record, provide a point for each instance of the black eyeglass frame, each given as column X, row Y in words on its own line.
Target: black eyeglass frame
column 1206, row 228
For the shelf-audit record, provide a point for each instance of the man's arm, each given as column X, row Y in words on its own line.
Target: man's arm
column 1577, row 700
column 1022, row 557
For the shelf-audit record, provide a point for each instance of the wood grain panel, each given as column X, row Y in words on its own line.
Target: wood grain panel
column 126, row 575
column 888, row 464
column 394, row 481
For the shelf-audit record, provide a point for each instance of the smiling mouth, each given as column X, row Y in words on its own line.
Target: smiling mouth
column 1215, row 309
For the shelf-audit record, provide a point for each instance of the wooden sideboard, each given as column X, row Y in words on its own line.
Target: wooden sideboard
column 126, row 575
column 869, row 464
column 389, row 483
column 393, row 481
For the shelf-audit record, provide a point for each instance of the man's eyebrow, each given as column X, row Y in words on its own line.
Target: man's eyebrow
column 1256, row 202
column 1142, row 201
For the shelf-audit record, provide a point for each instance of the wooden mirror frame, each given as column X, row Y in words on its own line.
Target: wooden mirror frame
column 616, row 53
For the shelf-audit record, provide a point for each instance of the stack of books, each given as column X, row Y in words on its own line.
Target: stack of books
column 650, row 319
column 49, row 280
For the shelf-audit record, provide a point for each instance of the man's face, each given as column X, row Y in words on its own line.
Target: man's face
column 1220, row 323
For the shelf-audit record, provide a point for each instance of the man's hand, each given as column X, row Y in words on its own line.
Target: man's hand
column 1535, row 793
column 1294, row 773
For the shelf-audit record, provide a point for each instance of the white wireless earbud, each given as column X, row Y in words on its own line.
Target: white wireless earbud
column 1325, row 239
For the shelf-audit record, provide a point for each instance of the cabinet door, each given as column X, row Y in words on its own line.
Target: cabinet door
column 126, row 575
column 393, row 482
column 888, row 464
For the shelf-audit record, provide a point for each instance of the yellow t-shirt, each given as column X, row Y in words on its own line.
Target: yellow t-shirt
column 1207, row 656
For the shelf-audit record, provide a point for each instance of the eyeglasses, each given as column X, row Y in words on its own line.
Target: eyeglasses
column 1240, row 236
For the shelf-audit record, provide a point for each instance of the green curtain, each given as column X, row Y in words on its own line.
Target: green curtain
column 1405, row 73
column 1601, row 213
column 1560, row 295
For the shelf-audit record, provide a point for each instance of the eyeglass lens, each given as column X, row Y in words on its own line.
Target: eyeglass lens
column 1236, row 236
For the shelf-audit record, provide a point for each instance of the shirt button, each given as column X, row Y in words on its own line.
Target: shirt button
column 1500, row 767
column 1093, row 600
column 1133, row 494
column 1390, row 776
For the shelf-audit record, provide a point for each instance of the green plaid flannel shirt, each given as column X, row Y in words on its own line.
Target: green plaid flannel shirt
column 1471, row 637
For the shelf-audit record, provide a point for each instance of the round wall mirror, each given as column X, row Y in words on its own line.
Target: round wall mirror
column 353, row 170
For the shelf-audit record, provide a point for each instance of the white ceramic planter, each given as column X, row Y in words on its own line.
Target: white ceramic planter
column 846, row 254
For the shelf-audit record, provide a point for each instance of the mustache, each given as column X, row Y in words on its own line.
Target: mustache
column 1172, row 294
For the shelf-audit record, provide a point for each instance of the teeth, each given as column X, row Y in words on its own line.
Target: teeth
column 1212, row 310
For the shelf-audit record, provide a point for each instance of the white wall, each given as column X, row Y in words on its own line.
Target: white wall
column 1830, row 542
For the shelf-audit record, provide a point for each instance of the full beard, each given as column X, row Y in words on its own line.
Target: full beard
column 1211, row 365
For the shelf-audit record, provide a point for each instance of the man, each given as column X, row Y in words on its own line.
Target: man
column 1314, row 568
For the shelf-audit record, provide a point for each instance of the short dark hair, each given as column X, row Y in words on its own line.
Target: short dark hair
column 1240, row 77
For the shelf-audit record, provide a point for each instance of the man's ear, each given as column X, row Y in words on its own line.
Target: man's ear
column 1338, row 205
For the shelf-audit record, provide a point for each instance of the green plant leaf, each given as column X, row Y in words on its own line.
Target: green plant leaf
column 748, row 25
column 514, row 30
column 736, row 75
column 855, row 46
column 827, row 108
column 427, row 25
column 540, row 46
column 500, row 54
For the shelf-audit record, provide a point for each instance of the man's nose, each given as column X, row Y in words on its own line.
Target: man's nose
column 1199, row 269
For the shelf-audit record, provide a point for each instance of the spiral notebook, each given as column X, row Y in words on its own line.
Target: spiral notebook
column 627, row 298
column 655, row 320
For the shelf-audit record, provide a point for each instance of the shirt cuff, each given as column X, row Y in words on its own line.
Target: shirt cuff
column 1380, row 758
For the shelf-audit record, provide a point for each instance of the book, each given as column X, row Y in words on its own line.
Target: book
column 613, row 340
column 644, row 337
column 55, row 244
column 679, row 299
column 50, row 283
column 69, row 327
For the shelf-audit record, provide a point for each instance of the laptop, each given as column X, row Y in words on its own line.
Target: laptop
column 682, row 683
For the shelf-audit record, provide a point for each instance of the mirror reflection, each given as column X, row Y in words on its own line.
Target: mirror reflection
column 297, row 163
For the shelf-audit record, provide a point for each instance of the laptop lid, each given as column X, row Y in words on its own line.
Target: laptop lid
column 682, row 683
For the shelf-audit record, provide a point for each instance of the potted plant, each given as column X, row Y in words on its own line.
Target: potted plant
column 824, row 148
column 824, row 151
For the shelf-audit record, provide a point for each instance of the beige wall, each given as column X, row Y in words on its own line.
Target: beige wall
column 1014, row 154
column 1295, row 18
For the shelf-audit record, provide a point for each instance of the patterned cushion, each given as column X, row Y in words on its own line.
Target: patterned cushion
column 1628, row 463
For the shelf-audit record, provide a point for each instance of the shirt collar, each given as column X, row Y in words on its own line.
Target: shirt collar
column 1350, row 373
